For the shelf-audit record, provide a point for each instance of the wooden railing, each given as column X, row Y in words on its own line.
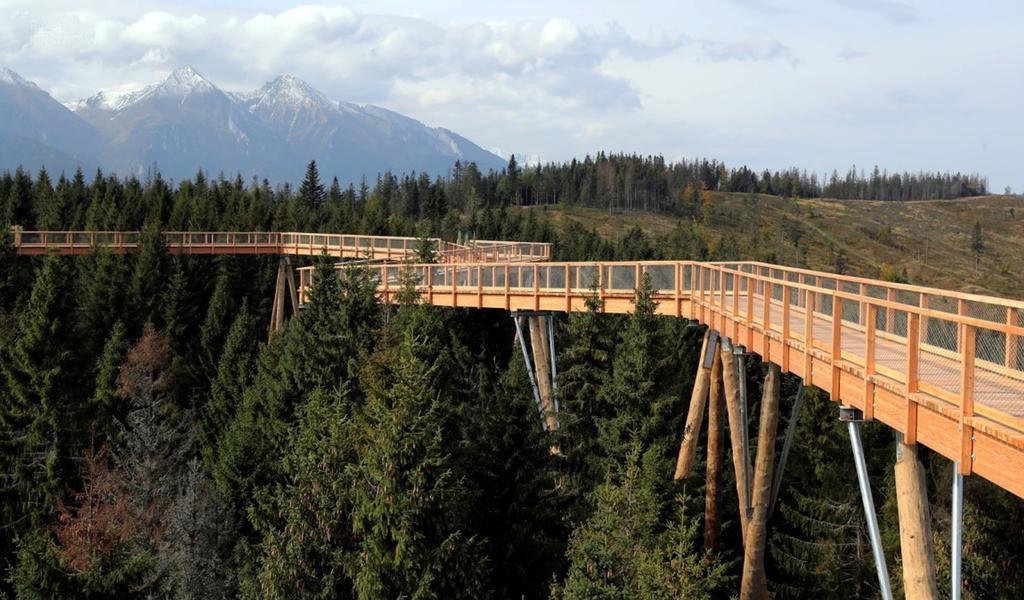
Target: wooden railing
column 373, row 247
column 942, row 367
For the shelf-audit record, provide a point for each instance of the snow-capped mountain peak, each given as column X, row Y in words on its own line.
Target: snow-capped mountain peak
column 185, row 80
column 109, row 101
column 181, row 83
column 288, row 91
column 185, row 122
column 10, row 77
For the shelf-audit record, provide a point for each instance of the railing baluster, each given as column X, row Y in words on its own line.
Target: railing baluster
column 967, row 340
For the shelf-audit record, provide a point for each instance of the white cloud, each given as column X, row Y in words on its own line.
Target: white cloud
column 768, row 82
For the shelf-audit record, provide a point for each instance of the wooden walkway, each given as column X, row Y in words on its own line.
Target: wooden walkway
column 944, row 368
column 367, row 247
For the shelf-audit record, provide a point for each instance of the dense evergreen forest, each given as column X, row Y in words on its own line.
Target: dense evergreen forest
column 156, row 444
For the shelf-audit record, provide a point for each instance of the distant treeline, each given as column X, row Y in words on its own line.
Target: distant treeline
column 630, row 182
column 609, row 181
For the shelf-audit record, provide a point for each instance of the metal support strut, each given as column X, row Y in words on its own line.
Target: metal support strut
column 957, row 533
column 852, row 416
column 741, row 368
column 529, row 369
column 794, row 416
column 554, row 369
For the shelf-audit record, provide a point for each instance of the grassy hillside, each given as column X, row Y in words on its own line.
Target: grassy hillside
column 931, row 240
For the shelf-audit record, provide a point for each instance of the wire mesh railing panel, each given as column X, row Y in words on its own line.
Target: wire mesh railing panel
column 687, row 277
column 875, row 291
column 942, row 334
column 663, row 277
column 890, row 351
column 439, row 276
column 985, row 311
column 990, row 346
column 555, row 278
column 525, row 277
column 620, row 278
column 824, row 304
column 995, row 384
column 939, row 355
column 796, row 312
column 586, row 277
column 851, row 311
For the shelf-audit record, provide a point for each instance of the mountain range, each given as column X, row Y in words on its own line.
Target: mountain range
column 186, row 123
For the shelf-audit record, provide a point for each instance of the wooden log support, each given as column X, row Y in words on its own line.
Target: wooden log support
column 283, row 287
column 716, row 457
column 754, row 582
column 915, row 524
column 731, row 387
column 695, row 414
column 542, row 367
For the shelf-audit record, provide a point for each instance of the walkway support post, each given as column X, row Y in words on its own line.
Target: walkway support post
column 529, row 368
column 284, row 286
column 716, row 458
column 957, row 533
column 741, row 373
column 852, row 416
column 915, row 524
column 730, row 384
column 698, row 400
column 753, row 585
column 542, row 360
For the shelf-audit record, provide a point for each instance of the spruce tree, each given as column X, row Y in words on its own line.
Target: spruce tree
column 409, row 513
column 234, row 374
column 622, row 551
column 147, row 279
column 584, row 363
column 520, row 500
column 630, row 392
column 306, row 548
column 38, row 415
column 312, row 190
column 104, row 405
column 99, row 292
column 218, row 319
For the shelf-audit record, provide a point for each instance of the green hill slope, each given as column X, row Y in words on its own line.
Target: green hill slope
column 928, row 241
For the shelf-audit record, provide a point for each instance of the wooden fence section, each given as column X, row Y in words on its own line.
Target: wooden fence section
column 378, row 248
column 946, row 369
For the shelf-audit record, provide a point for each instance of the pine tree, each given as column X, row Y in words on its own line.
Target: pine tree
column 194, row 557
column 154, row 438
column 99, row 292
column 520, row 501
column 149, row 274
column 234, row 374
column 584, row 363
column 104, row 406
column 218, row 319
column 404, row 484
column 630, row 392
column 305, row 550
column 37, row 414
column 621, row 551
column 977, row 244
column 312, row 191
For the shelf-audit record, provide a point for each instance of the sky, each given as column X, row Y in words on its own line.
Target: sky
column 820, row 85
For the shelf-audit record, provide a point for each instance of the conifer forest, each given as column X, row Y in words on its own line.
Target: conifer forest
column 155, row 442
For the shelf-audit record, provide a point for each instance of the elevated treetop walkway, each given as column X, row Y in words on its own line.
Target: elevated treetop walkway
column 942, row 368
column 371, row 247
